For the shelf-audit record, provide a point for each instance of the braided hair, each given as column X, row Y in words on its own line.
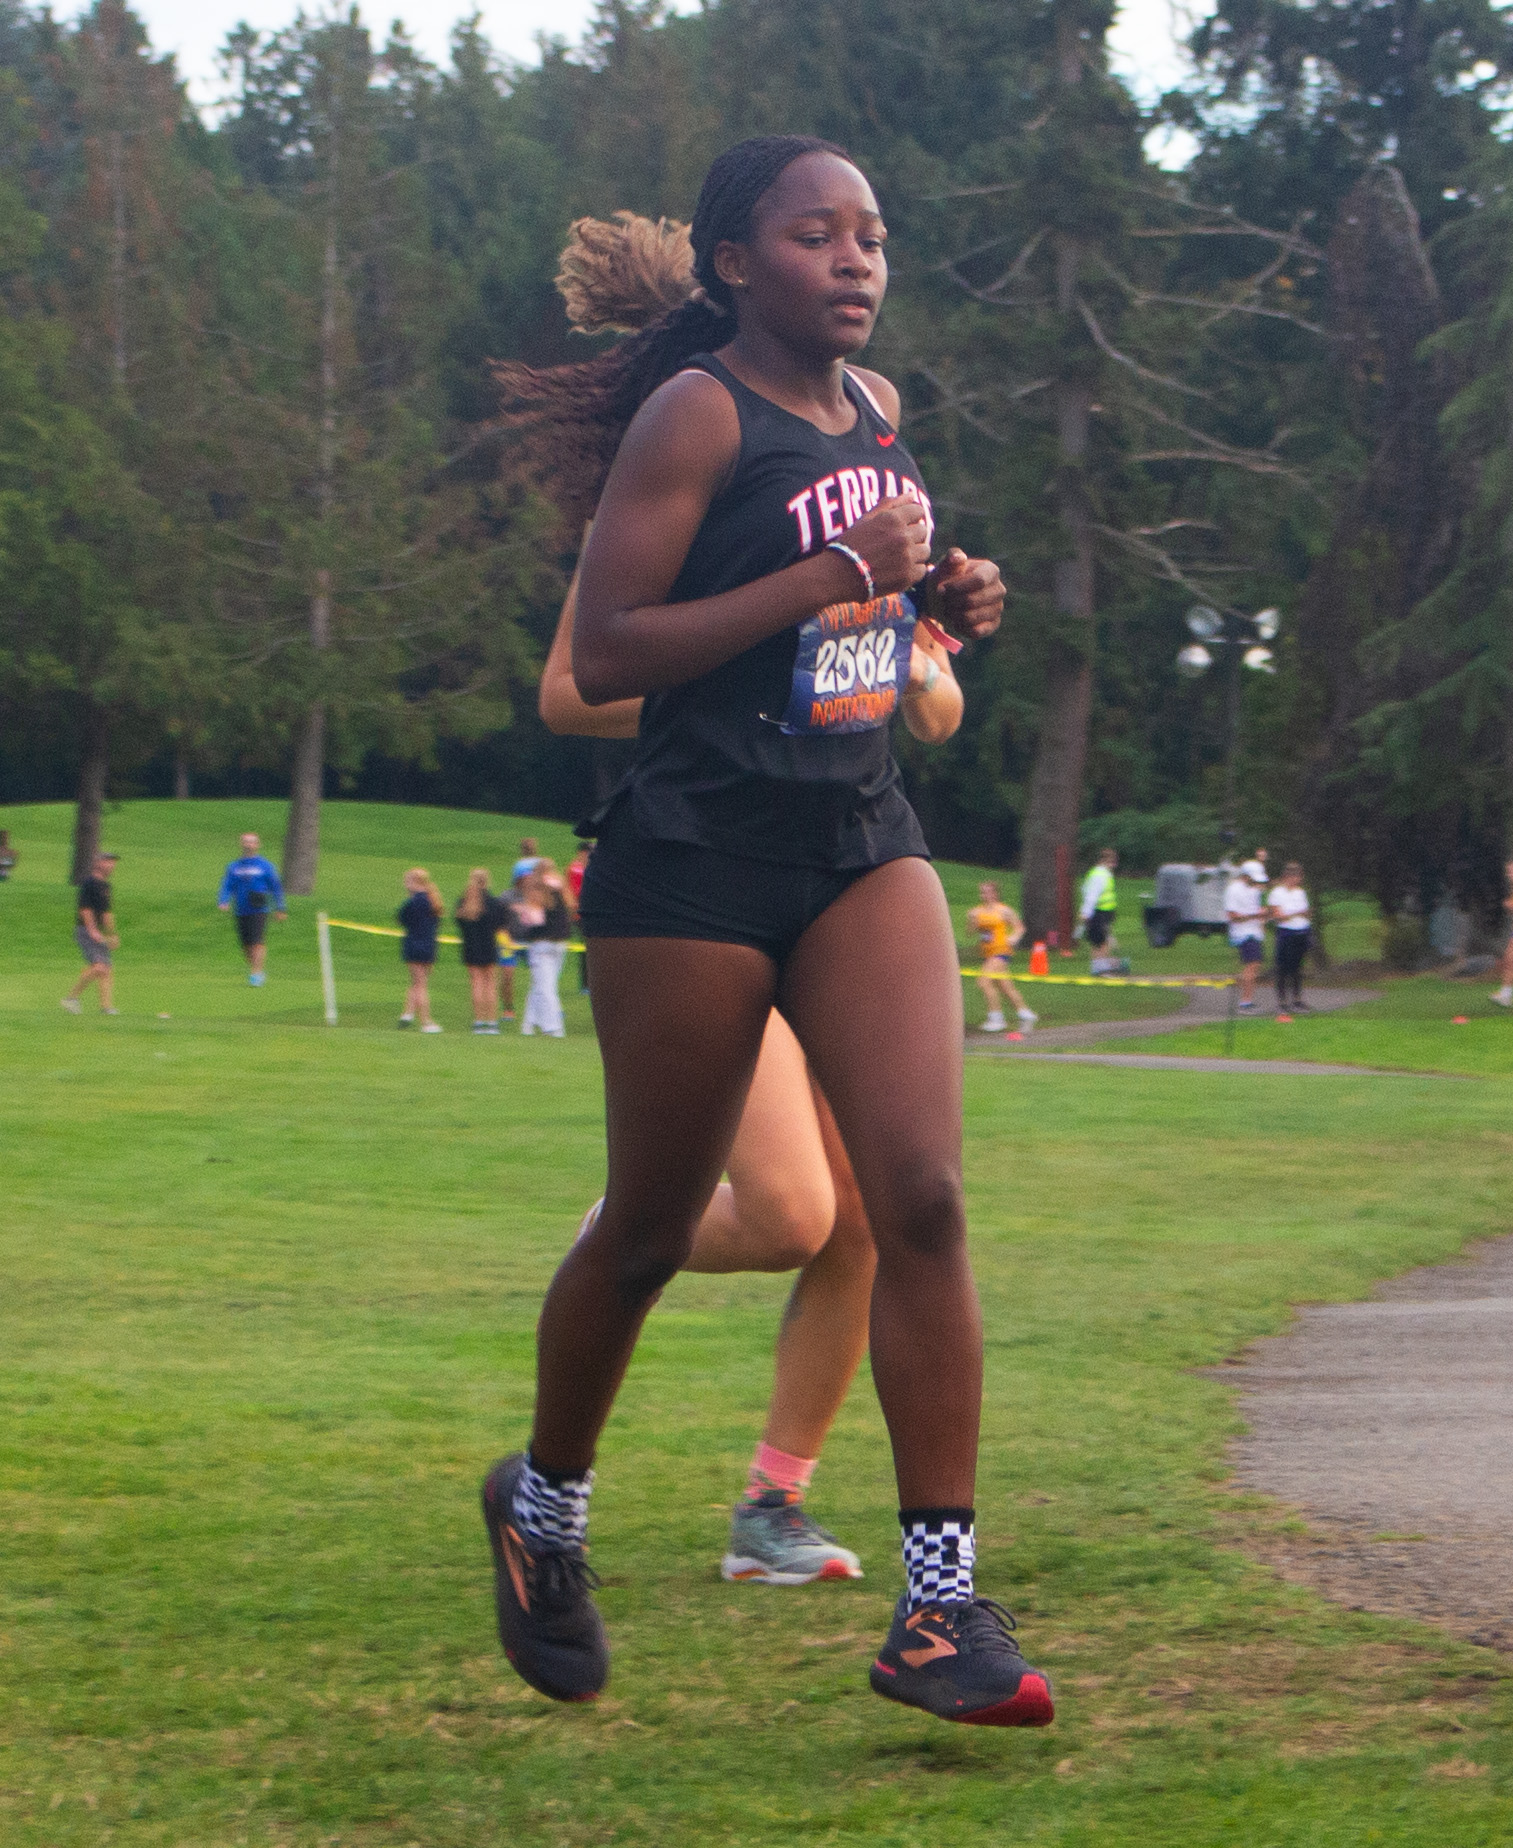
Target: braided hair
column 654, row 282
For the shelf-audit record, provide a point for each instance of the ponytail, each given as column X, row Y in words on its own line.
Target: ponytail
column 655, row 283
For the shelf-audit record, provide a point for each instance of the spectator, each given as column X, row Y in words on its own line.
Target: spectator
column 1504, row 995
column 480, row 918
column 419, row 915
column 1100, row 905
column 576, row 868
column 8, row 855
column 1287, row 904
column 1245, row 909
column 539, row 920
column 95, row 934
column 529, row 855
column 250, row 889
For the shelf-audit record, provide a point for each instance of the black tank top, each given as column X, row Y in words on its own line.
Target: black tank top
column 783, row 753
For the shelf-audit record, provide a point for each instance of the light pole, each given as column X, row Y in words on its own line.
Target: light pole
column 1244, row 638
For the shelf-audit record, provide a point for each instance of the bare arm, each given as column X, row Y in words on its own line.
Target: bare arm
column 562, row 707
column 933, row 704
column 676, row 455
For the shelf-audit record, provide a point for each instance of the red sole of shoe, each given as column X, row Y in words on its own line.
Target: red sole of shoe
column 1031, row 1706
column 837, row 1569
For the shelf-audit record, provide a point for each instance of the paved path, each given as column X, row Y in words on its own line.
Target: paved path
column 1201, row 1007
column 1389, row 1423
column 1189, row 1062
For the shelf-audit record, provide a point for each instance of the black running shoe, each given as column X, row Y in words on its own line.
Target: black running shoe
column 551, row 1630
column 960, row 1662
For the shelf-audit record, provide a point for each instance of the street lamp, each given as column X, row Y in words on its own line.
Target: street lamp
column 1245, row 638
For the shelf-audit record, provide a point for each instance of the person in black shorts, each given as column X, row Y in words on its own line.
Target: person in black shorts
column 418, row 917
column 95, row 934
column 759, row 557
column 480, row 917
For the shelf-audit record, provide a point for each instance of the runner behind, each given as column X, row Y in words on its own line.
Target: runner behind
column 758, row 532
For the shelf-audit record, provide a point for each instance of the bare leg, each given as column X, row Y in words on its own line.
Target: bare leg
column 257, row 955
column 505, row 977
column 680, row 1025
column 887, row 1051
column 777, row 1209
column 824, row 1331
column 418, row 995
column 93, row 972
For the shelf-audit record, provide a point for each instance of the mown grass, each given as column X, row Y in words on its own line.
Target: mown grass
column 1415, row 1023
column 269, row 1294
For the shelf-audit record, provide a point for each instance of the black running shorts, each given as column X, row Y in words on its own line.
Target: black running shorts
column 1099, row 926
column 251, row 927
column 638, row 887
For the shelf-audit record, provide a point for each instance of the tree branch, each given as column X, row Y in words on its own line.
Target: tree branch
column 1105, row 345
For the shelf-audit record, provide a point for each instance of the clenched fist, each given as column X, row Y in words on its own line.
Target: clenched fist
column 895, row 541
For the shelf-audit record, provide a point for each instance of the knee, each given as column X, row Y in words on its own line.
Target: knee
column 926, row 1215
column 646, row 1251
column 794, row 1222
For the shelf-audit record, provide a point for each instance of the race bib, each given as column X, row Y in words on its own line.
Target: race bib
column 851, row 668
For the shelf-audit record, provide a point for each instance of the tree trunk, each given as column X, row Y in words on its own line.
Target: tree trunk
column 302, row 836
column 180, row 777
column 1055, row 802
column 90, row 808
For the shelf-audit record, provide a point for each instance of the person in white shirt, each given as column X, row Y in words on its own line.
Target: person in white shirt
column 1287, row 905
column 1245, row 909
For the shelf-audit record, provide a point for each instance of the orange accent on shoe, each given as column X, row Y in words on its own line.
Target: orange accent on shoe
column 512, row 1564
column 940, row 1646
column 837, row 1569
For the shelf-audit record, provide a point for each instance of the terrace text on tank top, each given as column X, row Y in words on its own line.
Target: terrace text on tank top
column 783, row 753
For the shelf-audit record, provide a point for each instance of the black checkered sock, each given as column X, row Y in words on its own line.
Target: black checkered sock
column 940, row 1549
column 552, row 1508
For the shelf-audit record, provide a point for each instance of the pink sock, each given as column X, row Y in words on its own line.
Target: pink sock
column 775, row 1469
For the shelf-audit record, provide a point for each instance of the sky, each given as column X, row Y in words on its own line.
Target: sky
column 1144, row 40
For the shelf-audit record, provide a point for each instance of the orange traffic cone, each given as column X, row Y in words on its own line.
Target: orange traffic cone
column 1040, row 962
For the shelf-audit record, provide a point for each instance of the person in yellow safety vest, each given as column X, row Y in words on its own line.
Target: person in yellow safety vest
column 1100, row 904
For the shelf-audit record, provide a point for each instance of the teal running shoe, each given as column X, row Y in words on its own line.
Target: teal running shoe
column 773, row 1541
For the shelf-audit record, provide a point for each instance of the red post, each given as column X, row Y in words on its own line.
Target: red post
column 1064, row 917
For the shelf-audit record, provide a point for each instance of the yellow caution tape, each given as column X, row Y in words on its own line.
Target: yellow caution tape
column 507, row 943
column 1121, row 981
column 1069, row 981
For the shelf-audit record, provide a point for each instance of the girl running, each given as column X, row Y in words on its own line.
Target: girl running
column 418, row 917
column 790, row 1199
column 999, row 929
column 760, row 548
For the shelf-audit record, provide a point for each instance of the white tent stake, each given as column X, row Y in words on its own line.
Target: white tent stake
column 327, row 968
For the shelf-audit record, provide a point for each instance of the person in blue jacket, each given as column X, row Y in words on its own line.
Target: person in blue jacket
column 250, row 890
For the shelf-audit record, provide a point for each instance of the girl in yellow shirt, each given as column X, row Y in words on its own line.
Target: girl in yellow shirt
column 999, row 929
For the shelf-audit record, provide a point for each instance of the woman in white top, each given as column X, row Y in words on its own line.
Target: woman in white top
column 1287, row 906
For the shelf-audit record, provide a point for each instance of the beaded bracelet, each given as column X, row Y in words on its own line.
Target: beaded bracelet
column 860, row 563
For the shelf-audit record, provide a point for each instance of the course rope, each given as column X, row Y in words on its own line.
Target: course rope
column 1069, row 981
column 506, row 941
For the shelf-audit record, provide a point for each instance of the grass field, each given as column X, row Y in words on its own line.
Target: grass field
column 269, row 1294
column 1412, row 1025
